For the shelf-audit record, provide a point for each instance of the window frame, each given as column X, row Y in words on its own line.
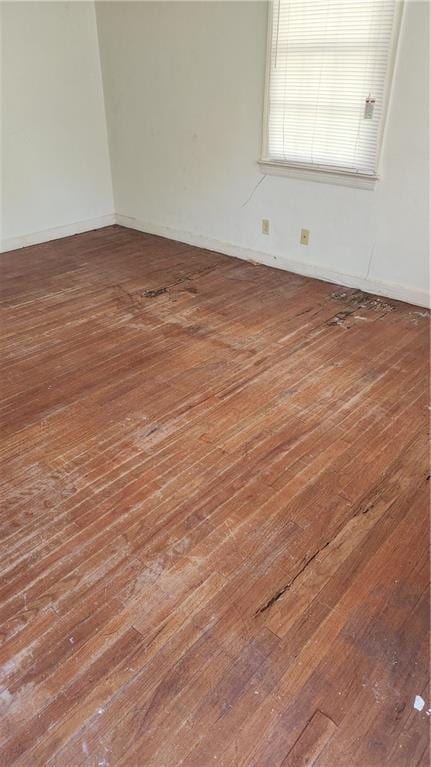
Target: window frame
column 322, row 173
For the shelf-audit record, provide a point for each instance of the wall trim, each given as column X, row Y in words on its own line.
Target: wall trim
column 45, row 235
column 419, row 297
column 322, row 175
column 399, row 292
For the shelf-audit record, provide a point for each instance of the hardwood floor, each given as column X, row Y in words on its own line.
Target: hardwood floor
column 214, row 513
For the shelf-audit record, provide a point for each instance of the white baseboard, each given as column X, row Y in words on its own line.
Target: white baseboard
column 35, row 238
column 419, row 297
column 388, row 289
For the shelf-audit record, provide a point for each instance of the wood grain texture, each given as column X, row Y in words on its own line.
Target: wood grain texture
column 317, row 732
column 214, row 527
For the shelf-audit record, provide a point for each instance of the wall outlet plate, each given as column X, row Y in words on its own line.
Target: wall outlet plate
column 265, row 226
column 305, row 236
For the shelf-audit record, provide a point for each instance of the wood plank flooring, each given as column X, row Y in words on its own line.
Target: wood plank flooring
column 214, row 528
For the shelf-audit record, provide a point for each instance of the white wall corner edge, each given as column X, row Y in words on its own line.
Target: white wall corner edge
column 45, row 235
column 399, row 292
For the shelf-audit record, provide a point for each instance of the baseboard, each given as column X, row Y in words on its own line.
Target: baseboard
column 408, row 294
column 35, row 238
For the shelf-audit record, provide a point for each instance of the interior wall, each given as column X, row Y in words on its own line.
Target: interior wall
column 184, row 85
column 56, row 176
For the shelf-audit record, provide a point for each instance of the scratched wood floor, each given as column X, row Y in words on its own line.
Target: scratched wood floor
column 214, row 513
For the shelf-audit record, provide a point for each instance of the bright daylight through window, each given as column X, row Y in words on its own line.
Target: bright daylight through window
column 327, row 83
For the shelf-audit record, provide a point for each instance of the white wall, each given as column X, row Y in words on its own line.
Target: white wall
column 56, row 175
column 184, row 94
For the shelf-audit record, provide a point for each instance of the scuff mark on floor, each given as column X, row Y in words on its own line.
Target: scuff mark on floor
column 134, row 299
column 154, row 293
column 416, row 317
column 340, row 319
column 290, row 583
column 363, row 300
column 358, row 300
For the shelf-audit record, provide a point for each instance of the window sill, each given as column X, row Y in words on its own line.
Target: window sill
column 321, row 175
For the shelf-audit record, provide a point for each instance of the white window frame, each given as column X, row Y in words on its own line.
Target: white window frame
column 321, row 173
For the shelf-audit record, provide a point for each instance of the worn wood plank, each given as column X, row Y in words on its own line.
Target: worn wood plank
column 311, row 741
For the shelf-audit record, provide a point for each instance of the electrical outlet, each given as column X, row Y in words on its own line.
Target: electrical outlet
column 265, row 226
column 305, row 236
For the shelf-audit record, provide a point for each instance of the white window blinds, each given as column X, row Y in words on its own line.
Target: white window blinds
column 328, row 67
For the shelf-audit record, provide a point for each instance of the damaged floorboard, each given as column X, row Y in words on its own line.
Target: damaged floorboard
column 214, row 533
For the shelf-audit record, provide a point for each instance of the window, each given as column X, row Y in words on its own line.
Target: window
column 327, row 81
